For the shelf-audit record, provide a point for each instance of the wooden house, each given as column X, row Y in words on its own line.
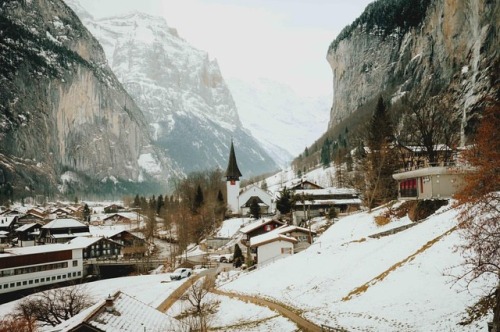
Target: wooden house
column 62, row 230
column 96, row 247
column 27, row 234
column 259, row 227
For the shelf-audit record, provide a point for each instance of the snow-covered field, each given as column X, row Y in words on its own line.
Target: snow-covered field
column 399, row 282
column 339, row 281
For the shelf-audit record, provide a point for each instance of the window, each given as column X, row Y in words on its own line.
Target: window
column 30, row 282
column 42, row 279
column 79, row 273
column 286, row 251
column 25, row 283
column 18, row 283
column 6, row 286
column 12, row 285
column 74, row 274
column 53, row 278
column 36, row 281
column 64, row 276
column 69, row 275
column 75, row 263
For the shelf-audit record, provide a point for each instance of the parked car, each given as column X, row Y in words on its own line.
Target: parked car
column 181, row 273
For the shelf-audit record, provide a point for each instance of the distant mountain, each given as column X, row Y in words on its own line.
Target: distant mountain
column 190, row 111
column 292, row 122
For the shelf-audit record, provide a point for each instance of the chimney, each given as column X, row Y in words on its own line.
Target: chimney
column 109, row 307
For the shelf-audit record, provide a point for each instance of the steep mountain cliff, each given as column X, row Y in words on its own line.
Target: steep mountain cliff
column 63, row 114
column 417, row 49
column 189, row 109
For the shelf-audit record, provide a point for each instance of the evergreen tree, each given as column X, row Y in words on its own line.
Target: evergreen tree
column 137, row 201
column 86, row 212
column 159, row 204
column 198, row 199
column 238, row 257
column 382, row 159
column 284, row 202
column 255, row 209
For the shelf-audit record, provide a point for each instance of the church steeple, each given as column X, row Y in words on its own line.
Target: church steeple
column 233, row 172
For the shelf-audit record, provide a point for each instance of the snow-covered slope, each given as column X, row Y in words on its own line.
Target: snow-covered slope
column 339, row 281
column 190, row 110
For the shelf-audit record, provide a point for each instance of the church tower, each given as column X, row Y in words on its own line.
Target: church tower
column 233, row 182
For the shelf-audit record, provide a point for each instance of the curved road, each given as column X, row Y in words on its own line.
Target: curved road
column 302, row 323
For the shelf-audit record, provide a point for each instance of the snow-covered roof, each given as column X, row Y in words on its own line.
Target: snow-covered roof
column 7, row 221
column 257, row 224
column 63, row 223
column 350, row 201
column 25, row 227
column 421, row 148
column 270, row 237
column 105, row 232
column 327, row 191
column 84, row 242
column 19, row 251
column 127, row 314
column 68, row 235
column 291, row 228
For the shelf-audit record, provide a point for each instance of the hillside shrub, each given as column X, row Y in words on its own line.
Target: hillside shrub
column 425, row 208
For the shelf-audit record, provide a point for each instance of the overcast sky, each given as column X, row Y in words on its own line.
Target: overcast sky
column 283, row 40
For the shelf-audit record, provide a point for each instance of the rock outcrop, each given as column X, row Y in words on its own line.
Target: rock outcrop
column 423, row 48
column 62, row 109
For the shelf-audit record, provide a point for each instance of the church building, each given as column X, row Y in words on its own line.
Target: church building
column 233, row 175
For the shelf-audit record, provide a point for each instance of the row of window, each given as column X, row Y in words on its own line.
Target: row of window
column 41, row 280
column 38, row 268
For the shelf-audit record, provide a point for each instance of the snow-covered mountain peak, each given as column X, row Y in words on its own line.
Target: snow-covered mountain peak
column 189, row 108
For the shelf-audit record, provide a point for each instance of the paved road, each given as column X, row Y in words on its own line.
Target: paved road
column 302, row 323
column 176, row 295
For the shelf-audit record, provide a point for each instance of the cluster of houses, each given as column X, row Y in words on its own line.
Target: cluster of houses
column 41, row 247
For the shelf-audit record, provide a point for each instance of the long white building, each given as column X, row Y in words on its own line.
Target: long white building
column 30, row 267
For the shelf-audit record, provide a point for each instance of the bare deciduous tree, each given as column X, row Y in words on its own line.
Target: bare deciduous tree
column 480, row 218
column 201, row 307
column 54, row 306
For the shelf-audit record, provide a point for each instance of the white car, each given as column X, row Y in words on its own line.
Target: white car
column 181, row 273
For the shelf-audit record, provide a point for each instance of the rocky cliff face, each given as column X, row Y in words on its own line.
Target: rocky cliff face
column 450, row 46
column 188, row 106
column 62, row 109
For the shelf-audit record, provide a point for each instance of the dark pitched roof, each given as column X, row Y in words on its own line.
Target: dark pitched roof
column 232, row 172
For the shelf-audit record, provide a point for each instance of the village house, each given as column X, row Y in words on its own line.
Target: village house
column 116, row 312
column 277, row 243
column 421, row 180
column 416, row 156
column 305, row 185
column 62, row 230
column 312, row 203
column 7, row 225
column 27, row 234
column 257, row 228
column 272, row 246
column 96, row 247
column 32, row 217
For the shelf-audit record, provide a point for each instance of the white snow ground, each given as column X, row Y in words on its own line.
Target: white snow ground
column 417, row 295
